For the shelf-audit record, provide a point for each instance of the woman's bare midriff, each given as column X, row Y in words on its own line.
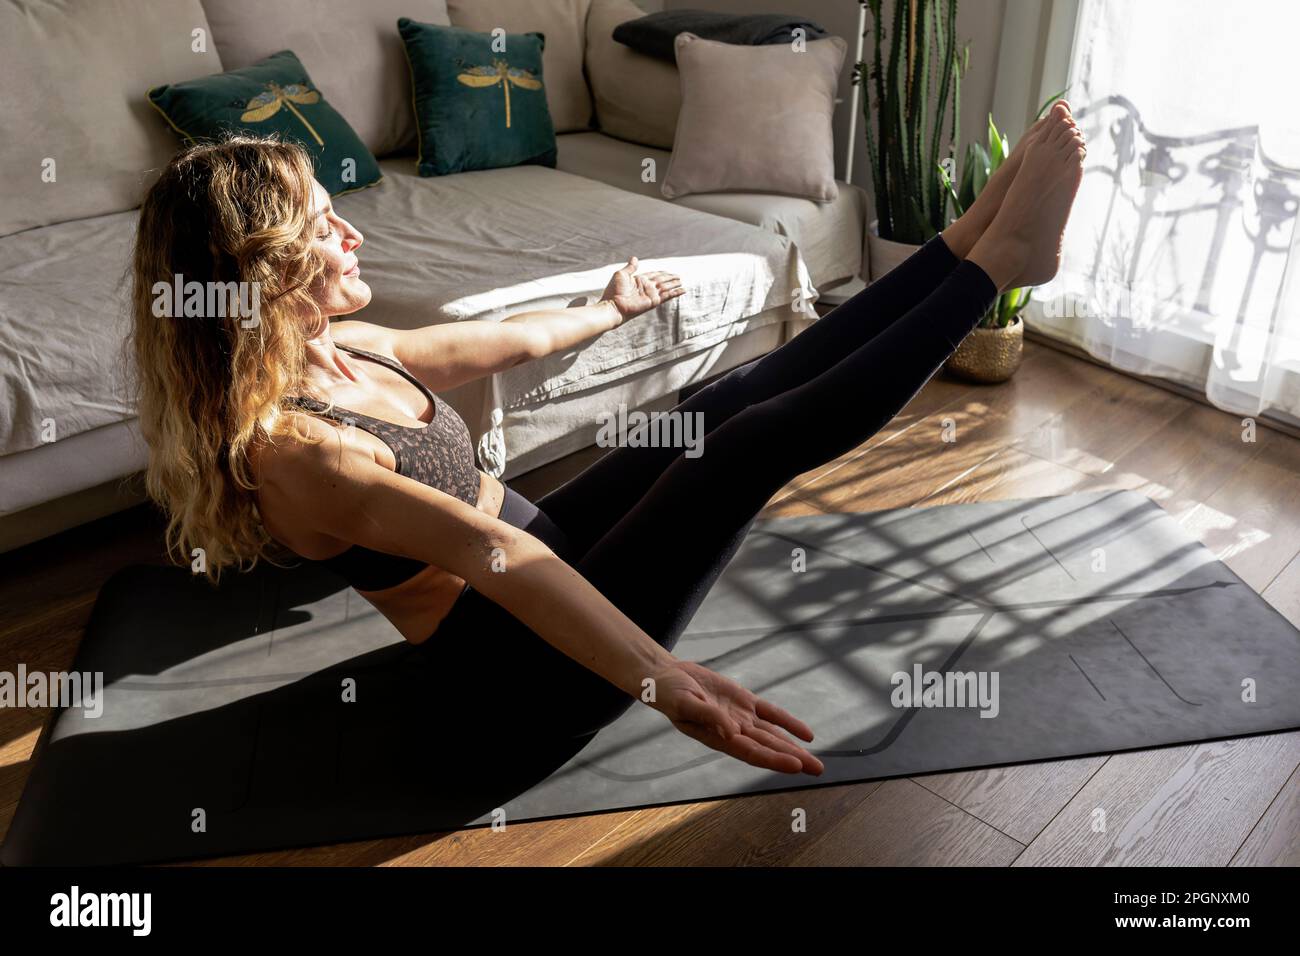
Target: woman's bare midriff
column 417, row 606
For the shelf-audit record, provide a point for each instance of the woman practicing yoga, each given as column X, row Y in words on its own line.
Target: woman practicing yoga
column 328, row 440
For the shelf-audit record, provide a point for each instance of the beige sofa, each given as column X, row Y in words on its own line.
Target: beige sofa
column 473, row 245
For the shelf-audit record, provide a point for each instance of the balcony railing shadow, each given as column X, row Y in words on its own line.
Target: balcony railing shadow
column 1226, row 174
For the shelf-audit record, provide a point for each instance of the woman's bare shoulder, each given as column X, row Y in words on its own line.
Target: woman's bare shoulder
column 306, row 442
column 287, row 454
column 293, row 475
column 363, row 335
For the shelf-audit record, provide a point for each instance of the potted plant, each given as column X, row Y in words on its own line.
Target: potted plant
column 915, row 86
column 993, row 352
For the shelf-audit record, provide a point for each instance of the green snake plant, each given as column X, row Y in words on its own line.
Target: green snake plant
column 911, row 90
column 982, row 160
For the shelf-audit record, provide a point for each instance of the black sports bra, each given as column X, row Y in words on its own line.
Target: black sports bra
column 440, row 455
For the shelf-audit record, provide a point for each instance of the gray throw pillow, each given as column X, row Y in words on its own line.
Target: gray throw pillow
column 755, row 118
column 637, row 97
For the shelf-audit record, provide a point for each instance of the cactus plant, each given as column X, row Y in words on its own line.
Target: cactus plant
column 907, row 101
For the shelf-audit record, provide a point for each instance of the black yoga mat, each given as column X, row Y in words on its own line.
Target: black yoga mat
column 1106, row 625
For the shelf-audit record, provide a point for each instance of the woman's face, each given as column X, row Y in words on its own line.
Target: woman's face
column 339, row 290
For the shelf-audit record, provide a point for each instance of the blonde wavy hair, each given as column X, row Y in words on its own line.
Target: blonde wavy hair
column 207, row 388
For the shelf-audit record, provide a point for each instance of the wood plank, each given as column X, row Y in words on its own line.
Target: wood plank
column 1190, row 805
column 788, row 505
column 754, row 830
column 1187, row 460
column 942, row 391
column 1019, row 800
column 1275, row 841
column 938, row 394
column 1098, row 428
column 15, row 765
column 539, row 843
column 910, row 465
column 902, row 824
column 1252, row 523
column 1045, row 383
column 1011, row 475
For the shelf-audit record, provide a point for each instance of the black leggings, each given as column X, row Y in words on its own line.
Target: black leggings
column 652, row 528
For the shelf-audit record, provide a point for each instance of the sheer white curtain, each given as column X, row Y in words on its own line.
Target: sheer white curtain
column 1182, row 257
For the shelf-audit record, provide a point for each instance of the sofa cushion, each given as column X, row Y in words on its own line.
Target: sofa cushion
column 274, row 96
column 756, row 118
column 637, row 97
column 830, row 235
column 78, row 135
column 63, row 318
column 351, row 49
column 477, row 106
column 563, row 23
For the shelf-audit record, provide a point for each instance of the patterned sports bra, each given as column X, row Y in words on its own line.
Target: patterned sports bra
column 440, row 455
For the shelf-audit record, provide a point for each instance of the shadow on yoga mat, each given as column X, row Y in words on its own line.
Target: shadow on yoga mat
column 1084, row 624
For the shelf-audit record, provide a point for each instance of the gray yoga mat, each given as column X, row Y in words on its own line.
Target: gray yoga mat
column 1107, row 626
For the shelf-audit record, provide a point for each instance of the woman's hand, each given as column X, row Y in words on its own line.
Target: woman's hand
column 721, row 714
column 634, row 294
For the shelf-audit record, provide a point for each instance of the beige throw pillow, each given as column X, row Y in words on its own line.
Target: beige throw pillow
column 78, row 137
column 563, row 23
column 350, row 50
column 755, row 118
column 637, row 97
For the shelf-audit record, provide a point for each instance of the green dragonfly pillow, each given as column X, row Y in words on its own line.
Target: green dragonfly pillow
column 274, row 95
column 479, row 98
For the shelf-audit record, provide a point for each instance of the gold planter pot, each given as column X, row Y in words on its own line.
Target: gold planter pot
column 989, row 355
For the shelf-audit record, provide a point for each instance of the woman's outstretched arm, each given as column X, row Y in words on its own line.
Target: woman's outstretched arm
column 338, row 490
column 453, row 353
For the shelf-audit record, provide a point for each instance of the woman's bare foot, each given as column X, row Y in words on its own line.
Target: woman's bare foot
column 1022, row 246
column 962, row 235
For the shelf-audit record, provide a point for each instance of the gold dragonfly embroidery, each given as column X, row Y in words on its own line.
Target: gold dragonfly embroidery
column 267, row 103
column 500, row 72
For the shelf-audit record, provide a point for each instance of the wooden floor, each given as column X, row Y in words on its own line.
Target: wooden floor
column 1061, row 425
